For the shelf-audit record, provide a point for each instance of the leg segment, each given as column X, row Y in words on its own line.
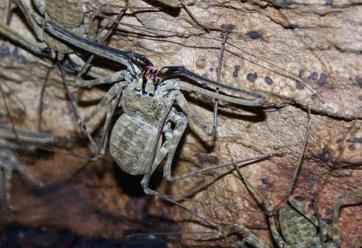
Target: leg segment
column 113, row 98
column 208, row 134
column 266, row 206
column 8, row 163
column 168, row 148
column 32, row 18
column 109, row 79
column 110, row 95
column 15, row 37
column 336, row 238
column 112, row 108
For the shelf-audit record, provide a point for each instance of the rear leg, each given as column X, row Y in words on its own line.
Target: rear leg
column 335, row 234
column 9, row 163
column 168, row 149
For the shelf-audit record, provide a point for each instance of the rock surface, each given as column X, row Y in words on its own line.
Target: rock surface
column 299, row 54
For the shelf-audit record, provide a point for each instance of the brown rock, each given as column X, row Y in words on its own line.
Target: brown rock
column 299, row 54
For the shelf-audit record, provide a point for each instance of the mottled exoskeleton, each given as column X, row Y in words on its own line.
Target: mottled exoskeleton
column 8, row 161
column 299, row 227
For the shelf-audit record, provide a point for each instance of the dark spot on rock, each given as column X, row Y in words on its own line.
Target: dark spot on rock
column 287, row 3
column 265, row 180
column 358, row 81
column 227, row 28
column 4, row 52
column 351, row 147
column 357, row 139
column 329, row 2
column 236, row 71
column 313, row 96
column 299, row 198
column 313, row 76
column 253, row 34
column 339, row 148
column 300, row 73
column 322, row 79
column 207, row 158
column 251, row 77
column 211, row 69
column 268, row 80
column 299, row 85
column 294, row 25
column 324, row 155
column 20, row 111
column 266, row 183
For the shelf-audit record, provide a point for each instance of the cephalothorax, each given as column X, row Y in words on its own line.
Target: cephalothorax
column 9, row 162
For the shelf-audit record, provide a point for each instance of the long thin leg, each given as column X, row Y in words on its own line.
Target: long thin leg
column 266, row 206
column 9, row 163
column 168, row 148
column 149, row 191
column 2, row 188
column 112, row 108
column 41, row 100
column 249, row 238
column 109, row 79
column 336, row 238
column 110, row 95
column 33, row 19
column 15, row 37
column 74, row 106
column 209, row 132
column 301, row 155
column 104, row 38
column 8, row 174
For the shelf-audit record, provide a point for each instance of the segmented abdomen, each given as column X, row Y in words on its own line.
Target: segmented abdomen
column 133, row 143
